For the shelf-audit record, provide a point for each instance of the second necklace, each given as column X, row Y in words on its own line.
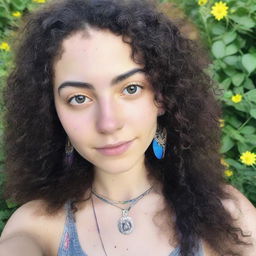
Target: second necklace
column 125, row 223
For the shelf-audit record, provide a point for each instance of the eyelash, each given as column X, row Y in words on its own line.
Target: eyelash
column 134, row 84
column 79, row 95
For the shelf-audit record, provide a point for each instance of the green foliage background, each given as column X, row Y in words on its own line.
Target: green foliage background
column 8, row 25
column 230, row 42
column 231, row 45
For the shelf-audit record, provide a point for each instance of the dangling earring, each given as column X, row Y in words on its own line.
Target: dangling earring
column 159, row 143
column 69, row 150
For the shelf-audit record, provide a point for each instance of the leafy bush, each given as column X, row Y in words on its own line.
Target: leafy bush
column 228, row 29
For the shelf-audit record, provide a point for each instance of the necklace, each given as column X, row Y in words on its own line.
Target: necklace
column 98, row 228
column 115, row 201
column 125, row 223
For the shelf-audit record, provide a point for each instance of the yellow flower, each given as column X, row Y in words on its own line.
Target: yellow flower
column 39, row 1
column 4, row 46
column 228, row 173
column 219, row 10
column 16, row 14
column 237, row 98
column 202, row 2
column 248, row 158
column 222, row 122
column 223, row 162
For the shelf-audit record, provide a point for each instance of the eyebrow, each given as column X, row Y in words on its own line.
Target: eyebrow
column 114, row 81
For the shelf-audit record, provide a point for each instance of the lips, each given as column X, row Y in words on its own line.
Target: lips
column 113, row 145
column 115, row 149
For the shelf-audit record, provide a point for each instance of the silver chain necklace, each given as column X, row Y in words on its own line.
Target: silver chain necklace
column 115, row 201
column 125, row 223
column 134, row 201
column 98, row 228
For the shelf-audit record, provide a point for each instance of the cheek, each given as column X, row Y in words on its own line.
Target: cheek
column 144, row 112
column 142, row 118
column 72, row 123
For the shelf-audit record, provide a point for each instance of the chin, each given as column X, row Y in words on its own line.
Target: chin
column 118, row 166
column 114, row 168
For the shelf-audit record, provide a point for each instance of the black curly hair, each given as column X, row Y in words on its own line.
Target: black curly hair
column 191, row 172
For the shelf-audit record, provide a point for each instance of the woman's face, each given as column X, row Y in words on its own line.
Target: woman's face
column 102, row 98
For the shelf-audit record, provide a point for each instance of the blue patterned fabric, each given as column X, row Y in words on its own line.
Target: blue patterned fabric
column 70, row 246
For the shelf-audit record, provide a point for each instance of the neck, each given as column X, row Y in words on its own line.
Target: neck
column 122, row 186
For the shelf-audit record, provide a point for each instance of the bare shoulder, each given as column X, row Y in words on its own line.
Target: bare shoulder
column 33, row 220
column 244, row 214
column 239, row 206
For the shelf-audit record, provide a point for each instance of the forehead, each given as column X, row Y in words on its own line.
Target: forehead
column 94, row 41
column 96, row 52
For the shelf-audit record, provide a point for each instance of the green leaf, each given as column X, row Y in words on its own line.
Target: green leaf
column 242, row 147
column 248, row 130
column 238, row 78
column 218, row 49
column 2, row 224
column 234, row 163
column 249, row 173
column 248, row 84
column 238, row 90
column 231, row 119
column 250, row 138
column 4, row 214
column 225, row 83
column 242, row 10
column 241, row 107
column 217, row 29
column 229, row 37
column 227, row 144
column 227, row 95
column 216, row 66
column 249, row 62
column 253, row 112
column 233, row 133
column 10, row 204
column 252, row 50
column 19, row 4
column 3, row 11
column 236, row 135
column 240, row 42
column 231, row 49
column 231, row 60
column 245, row 21
column 251, row 95
column 223, row 65
column 230, row 71
column 216, row 76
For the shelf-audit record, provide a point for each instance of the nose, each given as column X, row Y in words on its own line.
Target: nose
column 109, row 117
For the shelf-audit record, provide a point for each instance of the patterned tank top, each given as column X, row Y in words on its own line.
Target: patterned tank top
column 70, row 245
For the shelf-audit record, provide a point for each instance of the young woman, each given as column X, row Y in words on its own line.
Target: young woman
column 112, row 140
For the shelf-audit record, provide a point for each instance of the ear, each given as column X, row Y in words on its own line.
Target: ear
column 161, row 110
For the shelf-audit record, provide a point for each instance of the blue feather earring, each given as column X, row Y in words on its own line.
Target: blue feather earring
column 159, row 143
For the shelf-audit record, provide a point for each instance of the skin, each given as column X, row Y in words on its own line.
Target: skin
column 111, row 114
column 108, row 113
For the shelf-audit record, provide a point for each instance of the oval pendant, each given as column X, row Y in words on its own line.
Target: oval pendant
column 125, row 225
